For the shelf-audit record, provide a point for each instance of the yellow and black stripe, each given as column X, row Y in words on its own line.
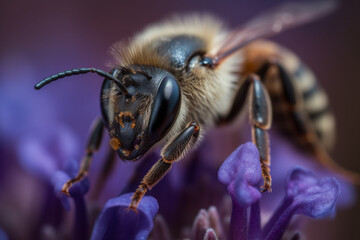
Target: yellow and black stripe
column 316, row 105
column 311, row 100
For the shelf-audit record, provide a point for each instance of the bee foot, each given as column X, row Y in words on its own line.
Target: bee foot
column 266, row 186
column 66, row 187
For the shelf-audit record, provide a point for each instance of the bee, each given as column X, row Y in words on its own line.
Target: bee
column 178, row 78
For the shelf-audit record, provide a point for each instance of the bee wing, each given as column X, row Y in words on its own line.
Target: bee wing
column 269, row 23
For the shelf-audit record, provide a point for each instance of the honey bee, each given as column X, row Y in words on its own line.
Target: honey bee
column 178, row 78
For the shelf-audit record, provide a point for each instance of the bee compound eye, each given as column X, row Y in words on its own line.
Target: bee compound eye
column 165, row 108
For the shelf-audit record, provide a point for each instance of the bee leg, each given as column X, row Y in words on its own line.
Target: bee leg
column 301, row 125
column 260, row 118
column 172, row 152
column 92, row 145
column 260, row 113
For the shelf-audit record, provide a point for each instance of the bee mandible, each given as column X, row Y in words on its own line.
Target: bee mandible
column 178, row 78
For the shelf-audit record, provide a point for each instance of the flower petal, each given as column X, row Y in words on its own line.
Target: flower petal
column 241, row 171
column 215, row 222
column 45, row 153
column 285, row 156
column 35, row 158
column 311, row 196
column 78, row 189
column 305, row 194
column 210, row 235
column 77, row 192
column 161, row 229
column 117, row 222
column 244, row 159
column 201, row 225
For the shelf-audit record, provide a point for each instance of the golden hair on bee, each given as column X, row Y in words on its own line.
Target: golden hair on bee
column 141, row 49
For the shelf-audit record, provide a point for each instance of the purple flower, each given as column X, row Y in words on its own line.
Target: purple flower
column 48, row 151
column 51, row 158
column 241, row 172
column 242, row 177
column 305, row 194
column 285, row 156
column 116, row 221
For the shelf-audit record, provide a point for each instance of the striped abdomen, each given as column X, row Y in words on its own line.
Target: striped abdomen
column 313, row 100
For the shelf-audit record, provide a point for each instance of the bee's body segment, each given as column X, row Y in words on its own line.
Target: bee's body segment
column 176, row 79
column 311, row 98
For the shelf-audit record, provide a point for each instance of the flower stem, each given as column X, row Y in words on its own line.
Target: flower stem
column 278, row 223
column 238, row 221
column 81, row 224
column 254, row 223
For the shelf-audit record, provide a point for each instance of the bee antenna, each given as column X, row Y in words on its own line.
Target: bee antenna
column 82, row 71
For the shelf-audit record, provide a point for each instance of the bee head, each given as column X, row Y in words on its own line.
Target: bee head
column 139, row 119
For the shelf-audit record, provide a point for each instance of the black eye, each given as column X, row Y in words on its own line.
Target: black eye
column 165, row 109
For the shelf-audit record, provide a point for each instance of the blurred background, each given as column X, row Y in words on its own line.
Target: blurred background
column 40, row 38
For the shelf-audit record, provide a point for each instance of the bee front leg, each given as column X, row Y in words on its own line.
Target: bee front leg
column 92, row 146
column 172, row 152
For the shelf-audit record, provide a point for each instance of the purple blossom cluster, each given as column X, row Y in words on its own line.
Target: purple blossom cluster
column 305, row 194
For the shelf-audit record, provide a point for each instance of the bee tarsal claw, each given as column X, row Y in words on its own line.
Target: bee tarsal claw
column 266, row 188
column 132, row 207
column 65, row 189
